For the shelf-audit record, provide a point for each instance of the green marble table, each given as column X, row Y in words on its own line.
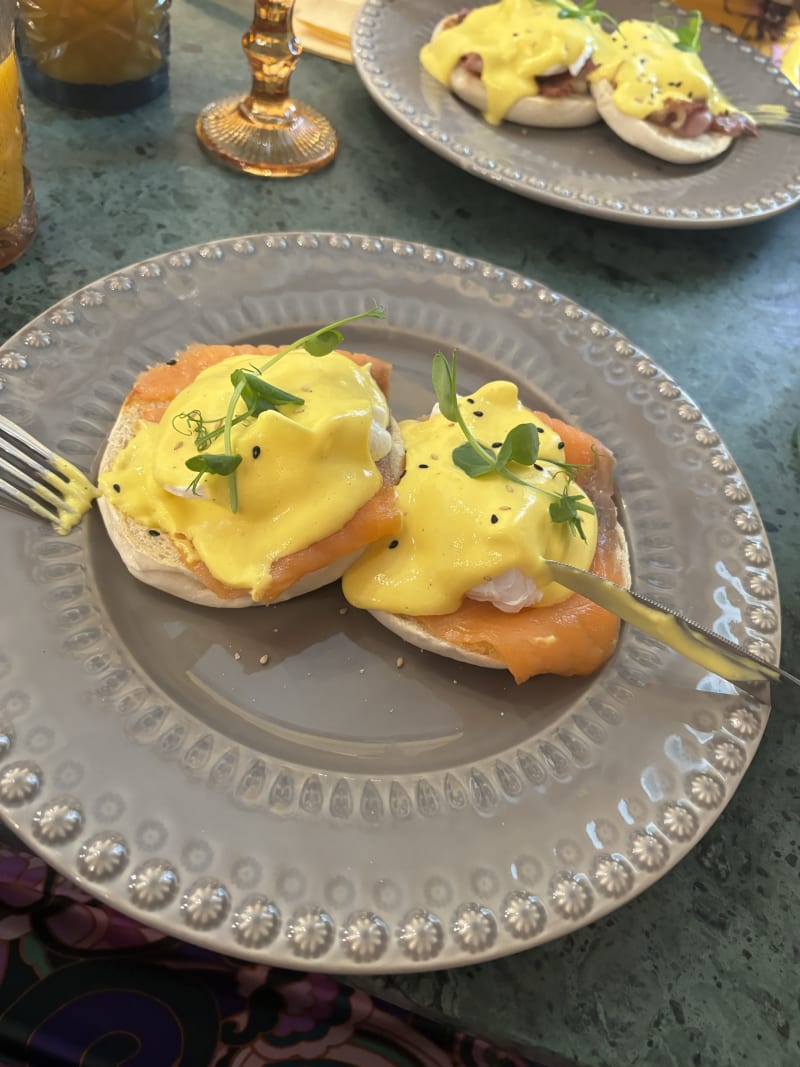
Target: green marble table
column 701, row 969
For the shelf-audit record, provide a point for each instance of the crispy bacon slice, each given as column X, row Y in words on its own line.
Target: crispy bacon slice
column 473, row 63
column 554, row 86
column 456, row 19
column 692, row 118
column 733, row 124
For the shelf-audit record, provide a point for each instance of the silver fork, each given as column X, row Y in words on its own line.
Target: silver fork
column 775, row 116
column 42, row 481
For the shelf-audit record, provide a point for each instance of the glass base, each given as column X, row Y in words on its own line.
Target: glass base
column 96, row 99
column 296, row 142
column 14, row 239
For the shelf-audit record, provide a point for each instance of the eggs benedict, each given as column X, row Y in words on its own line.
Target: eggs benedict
column 521, row 60
column 466, row 575
column 653, row 90
column 241, row 475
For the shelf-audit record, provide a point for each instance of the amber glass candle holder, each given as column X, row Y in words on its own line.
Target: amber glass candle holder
column 266, row 132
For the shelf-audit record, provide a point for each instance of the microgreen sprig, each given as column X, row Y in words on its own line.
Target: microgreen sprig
column 688, row 34
column 259, row 396
column 583, row 9
column 211, row 464
column 521, row 446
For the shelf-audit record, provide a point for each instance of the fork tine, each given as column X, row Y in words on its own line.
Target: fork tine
column 42, row 491
column 763, row 118
column 64, row 492
column 16, row 433
column 30, row 463
column 776, row 115
column 11, row 491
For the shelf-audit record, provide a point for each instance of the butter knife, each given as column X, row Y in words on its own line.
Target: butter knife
column 690, row 639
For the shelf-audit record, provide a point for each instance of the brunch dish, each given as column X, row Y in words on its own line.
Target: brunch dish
column 178, row 522
column 553, row 63
column 278, row 782
column 522, row 46
column 464, row 575
column 575, row 122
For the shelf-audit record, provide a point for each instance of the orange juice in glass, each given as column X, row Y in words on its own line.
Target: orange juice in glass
column 103, row 56
column 17, row 210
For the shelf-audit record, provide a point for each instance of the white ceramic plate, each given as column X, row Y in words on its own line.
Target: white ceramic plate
column 588, row 170
column 330, row 810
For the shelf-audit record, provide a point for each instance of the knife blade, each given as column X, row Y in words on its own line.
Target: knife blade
column 717, row 654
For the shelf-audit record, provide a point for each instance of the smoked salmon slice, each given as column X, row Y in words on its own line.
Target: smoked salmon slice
column 157, row 387
column 573, row 637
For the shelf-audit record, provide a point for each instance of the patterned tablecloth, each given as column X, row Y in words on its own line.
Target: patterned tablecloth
column 81, row 984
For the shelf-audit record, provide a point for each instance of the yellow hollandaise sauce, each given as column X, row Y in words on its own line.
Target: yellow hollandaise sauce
column 518, row 41
column 77, row 493
column 459, row 532
column 646, row 69
column 305, row 470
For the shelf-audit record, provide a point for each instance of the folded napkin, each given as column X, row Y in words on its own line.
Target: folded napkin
column 323, row 27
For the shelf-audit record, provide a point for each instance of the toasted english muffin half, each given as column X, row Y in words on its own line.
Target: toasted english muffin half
column 156, row 561
column 656, row 140
column 579, row 109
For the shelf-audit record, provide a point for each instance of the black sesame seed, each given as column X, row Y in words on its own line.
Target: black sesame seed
column 402, row 475
column 256, row 451
column 171, row 362
column 116, row 488
column 470, row 400
column 393, row 544
column 538, row 467
column 154, row 533
column 497, row 444
column 494, row 519
column 540, row 429
column 561, row 444
column 478, row 414
column 423, row 466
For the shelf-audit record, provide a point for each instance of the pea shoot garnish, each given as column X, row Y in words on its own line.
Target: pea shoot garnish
column 584, row 9
column 521, row 446
column 688, row 34
column 258, row 396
